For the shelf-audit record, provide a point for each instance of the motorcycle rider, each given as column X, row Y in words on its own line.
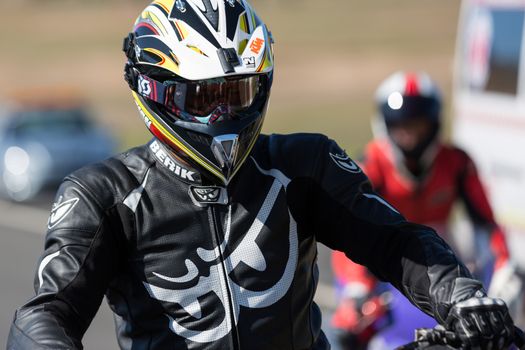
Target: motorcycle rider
column 205, row 238
column 413, row 169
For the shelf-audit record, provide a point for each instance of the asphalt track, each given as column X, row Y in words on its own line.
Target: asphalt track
column 21, row 241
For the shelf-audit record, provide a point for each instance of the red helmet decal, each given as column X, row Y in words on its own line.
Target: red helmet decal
column 411, row 85
column 147, row 29
column 160, row 135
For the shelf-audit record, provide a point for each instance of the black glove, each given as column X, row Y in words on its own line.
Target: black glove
column 481, row 323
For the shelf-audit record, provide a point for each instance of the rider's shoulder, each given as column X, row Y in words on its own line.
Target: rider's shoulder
column 113, row 177
column 378, row 148
column 454, row 151
column 292, row 143
column 293, row 154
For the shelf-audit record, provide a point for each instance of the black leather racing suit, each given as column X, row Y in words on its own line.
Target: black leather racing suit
column 187, row 265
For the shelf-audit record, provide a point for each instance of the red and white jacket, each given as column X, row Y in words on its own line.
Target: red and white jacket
column 428, row 200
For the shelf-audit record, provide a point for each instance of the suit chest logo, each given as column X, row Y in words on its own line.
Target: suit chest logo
column 204, row 195
column 345, row 163
column 169, row 163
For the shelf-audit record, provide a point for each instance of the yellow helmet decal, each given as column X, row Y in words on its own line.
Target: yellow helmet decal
column 243, row 23
column 181, row 28
column 176, row 141
column 166, row 4
column 165, row 61
column 247, row 153
column 152, row 17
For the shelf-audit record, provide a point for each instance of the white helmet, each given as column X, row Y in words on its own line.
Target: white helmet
column 200, row 73
column 405, row 96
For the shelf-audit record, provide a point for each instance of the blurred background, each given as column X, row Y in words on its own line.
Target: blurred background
column 59, row 55
column 329, row 57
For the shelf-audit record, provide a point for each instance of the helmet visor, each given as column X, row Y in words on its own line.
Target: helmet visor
column 203, row 97
column 410, row 107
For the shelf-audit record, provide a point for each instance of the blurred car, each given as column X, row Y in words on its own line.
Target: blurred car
column 41, row 142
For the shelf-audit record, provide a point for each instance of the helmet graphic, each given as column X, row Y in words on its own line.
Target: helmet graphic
column 200, row 72
column 405, row 98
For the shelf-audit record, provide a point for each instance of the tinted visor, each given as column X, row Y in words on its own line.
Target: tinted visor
column 411, row 107
column 201, row 98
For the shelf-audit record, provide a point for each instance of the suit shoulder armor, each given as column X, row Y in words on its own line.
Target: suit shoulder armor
column 298, row 143
column 294, row 154
column 110, row 180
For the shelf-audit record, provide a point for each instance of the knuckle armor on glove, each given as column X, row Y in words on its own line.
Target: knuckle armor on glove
column 479, row 321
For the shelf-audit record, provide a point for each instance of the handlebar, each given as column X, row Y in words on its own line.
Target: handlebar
column 440, row 339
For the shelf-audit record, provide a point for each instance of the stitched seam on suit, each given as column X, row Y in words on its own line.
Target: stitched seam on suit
column 39, row 346
column 80, row 270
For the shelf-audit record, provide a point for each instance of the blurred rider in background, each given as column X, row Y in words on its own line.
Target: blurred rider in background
column 415, row 171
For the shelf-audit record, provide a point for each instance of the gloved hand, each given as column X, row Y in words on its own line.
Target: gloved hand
column 481, row 323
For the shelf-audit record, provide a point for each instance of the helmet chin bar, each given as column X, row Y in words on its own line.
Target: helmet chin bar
column 222, row 150
column 225, row 149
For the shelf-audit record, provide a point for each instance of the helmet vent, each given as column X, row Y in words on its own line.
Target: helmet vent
column 229, row 59
column 224, row 148
column 211, row 14
column 227, row 146
column 181, row 6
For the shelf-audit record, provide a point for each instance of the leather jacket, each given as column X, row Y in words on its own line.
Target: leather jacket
column 188, row 264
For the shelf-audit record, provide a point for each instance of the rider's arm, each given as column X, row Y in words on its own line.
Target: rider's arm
column 473, row 195
column 79, row 260
column 347, row 215
column 345, row 270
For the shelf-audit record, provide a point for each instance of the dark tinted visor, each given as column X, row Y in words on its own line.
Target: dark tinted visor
column 412, row 107
column 200, row 98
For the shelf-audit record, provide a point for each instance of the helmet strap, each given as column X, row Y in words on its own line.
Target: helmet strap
column 128, row 46
column 130, row 71
column 145, row 86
